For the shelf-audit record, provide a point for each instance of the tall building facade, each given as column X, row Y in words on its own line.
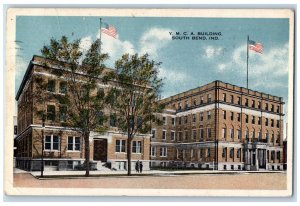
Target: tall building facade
column 64, row 146
column 219, row 126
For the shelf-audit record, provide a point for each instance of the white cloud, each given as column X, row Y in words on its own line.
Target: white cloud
column 222, row 67
column 271, row 65
column 153, row 40
column 172, row 75
column 211, row 51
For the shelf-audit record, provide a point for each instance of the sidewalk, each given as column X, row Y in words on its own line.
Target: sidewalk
column 100, row 173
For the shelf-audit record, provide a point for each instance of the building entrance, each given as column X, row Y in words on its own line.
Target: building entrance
column 100, row 150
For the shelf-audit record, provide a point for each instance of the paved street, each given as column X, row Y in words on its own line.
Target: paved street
column 272, row 181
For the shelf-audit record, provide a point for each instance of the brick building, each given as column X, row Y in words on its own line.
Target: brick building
column 64, row 146
column 220, row 126
column 216, row 126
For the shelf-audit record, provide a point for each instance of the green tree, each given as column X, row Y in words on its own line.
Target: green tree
column 133, row 97
column 82, row 99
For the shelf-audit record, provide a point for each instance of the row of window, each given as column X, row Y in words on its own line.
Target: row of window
column 163, row 151
column 121, row 146
column 254, row 104
column 183, row 135
column 52, row 142
column 52, row 85
column 259, row 135
column 231, row 153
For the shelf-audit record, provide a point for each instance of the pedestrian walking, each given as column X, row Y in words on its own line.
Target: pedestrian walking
column 141, row 167
column 137, row 166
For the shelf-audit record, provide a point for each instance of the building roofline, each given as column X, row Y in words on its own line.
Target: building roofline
column 25, row 78
column 217, row 81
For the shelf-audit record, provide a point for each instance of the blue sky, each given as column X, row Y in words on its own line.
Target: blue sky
column 186, row 64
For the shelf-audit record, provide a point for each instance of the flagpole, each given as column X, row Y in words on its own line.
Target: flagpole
column 247, row 57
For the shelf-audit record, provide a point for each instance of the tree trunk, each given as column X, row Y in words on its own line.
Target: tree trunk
column 87, row 154
column 129, row 155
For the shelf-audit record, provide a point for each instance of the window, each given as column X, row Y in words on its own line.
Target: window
column 277, row 124
column 179, row 136
column 239, row 117
column 239, row 134
column 224, row 97
column 253, row 120
column 259, row 105
column 267, row 136
column 272, row 122
column 195, row 102
column 208, row 133
column 113, row 120
column 231, row 115
column 259, row 121
column 201, row 116
column 153, row 151
column 278, row 155
column 239, row 100
column 224, row 114
column 179, row 106
column 272, row 107
column 224, row 133
column 253, row 104
column 247, row 118
column 278, row 139
column 172, row 135
column 224, row 152
column 194, row 117
column 153, row 133
column 186, row 134
column 137, row 147
column 201, row 100
column 164, row 135
column 266, row 106
column 272, row 138
column 201, row 131
column 192, row 153
column 208, row 98
column 272, row 155
column 238, row 153
column 186, row 104
column 259, row 135
column 52, row 142
column 231, row 152
column 73, row 143
column 247, row 135
column 186, row 119
column 208, row 152
column 194, row 134
column 253, row 134
column 164, row 119
column 208, row 115
column 100, row 117
column 163, row 151
column 232, row 133
column 278, row 109
column 267, row 122
column 51, row 112
column 120, row 145
column 247, row 102
column 63, row 87
column 173, row 121
column 63, row 113
column 179, row 120
column 51, row 86
column 231, row 99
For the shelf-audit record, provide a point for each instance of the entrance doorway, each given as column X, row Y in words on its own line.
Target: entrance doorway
column 100, row 150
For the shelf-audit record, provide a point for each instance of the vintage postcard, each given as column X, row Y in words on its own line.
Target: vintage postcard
column 149, row 102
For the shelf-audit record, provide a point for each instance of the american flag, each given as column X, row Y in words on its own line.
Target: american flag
column 255, row 46
column 109, row 30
